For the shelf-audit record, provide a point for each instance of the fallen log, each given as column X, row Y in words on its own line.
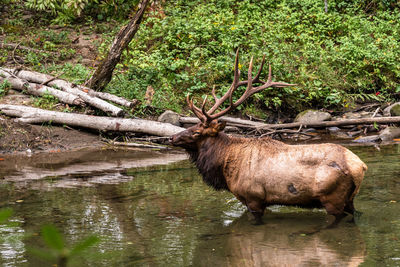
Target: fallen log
column 36, row 115
column 322, row 124
column 40, row 90
column 41, row 78
column 112, row 98
column 229, row 120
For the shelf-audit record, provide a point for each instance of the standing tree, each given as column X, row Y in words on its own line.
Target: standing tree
column 102, row 75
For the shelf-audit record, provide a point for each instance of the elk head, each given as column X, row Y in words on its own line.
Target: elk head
column 209, row 125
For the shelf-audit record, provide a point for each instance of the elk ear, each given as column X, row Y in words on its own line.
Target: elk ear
column 220, row 126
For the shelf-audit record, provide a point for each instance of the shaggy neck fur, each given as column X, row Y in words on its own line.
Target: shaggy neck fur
column 208, row 159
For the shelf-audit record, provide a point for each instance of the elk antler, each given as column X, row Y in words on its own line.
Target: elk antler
column 207, row 116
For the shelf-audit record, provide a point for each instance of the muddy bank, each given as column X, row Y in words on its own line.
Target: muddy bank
column 25, row 138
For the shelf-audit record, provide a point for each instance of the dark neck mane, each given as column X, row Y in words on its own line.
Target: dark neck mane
column 208, row 159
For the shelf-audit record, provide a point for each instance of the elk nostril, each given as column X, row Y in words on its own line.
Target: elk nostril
column 171, row 138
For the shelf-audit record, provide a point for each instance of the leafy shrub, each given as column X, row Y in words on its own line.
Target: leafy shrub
column 188, row 46
column 4, row 87
column 65, row 11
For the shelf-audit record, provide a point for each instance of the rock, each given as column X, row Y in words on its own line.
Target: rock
column 385, row 135
column 389, row 133
column 311, row 116
column 395, row 111
column 354, row 133
column 356, row 115
column 333, row 129
column 367, row 139
column 340, row 135
column 392, row 110
column 169, row 117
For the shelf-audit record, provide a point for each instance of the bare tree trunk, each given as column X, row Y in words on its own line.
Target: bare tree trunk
column 103, row 73
column 36, row 115
column 326, row 6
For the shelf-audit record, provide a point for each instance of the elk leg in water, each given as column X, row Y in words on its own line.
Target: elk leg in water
column 335, row 208
column 350, row 207
column 351, row 210
column 338, row 218
column 257, row 209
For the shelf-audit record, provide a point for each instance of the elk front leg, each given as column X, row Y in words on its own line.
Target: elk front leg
column 336, row 208
column 256, row 207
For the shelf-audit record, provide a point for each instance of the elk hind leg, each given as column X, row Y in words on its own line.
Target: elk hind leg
column 349, row 208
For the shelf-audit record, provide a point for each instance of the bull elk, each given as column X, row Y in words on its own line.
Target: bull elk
column 263, row 171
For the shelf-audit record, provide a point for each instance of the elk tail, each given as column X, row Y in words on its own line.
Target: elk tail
column 358, row 176
column 357, row 169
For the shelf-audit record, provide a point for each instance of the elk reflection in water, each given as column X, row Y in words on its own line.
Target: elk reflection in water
column 283, row 241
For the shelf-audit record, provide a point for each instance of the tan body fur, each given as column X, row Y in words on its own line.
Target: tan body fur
column 262, row 172
column 315, row 173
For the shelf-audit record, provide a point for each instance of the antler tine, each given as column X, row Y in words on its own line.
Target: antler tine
column 205, row 113
column 195, row 109
column 257, row 78
column 204, row 103
column 213, row 94
column 231, row 89
column 270, row 83
column 207, row 116
column 249, row 76
column 249, row 90
column 269, row 74
column 276, row 84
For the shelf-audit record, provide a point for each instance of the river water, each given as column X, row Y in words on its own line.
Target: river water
column 150, row 208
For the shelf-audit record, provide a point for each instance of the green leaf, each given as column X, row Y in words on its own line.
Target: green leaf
column 5, row 214
column 52, row 237
column 81, row 246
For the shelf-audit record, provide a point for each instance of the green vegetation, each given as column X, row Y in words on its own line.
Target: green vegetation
column 57, row 251
column 4, row 87
column 337, row 58
column 46, row 101
column 5, row 214
column 64, row 11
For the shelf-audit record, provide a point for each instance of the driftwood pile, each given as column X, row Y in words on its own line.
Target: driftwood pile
column 39, row 84
column 355, row 128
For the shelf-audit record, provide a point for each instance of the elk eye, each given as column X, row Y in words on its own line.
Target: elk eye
column 196, row 133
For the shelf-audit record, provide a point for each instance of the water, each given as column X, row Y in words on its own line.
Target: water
column 164, row 215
